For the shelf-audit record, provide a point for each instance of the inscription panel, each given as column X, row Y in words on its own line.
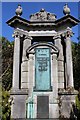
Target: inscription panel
column 42, row 69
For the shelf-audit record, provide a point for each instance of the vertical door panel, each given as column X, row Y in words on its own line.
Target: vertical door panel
column 43, row 107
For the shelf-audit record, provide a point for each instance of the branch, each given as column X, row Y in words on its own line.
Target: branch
column 5, row 71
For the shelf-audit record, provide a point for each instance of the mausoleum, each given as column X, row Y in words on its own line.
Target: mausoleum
column 42, row 84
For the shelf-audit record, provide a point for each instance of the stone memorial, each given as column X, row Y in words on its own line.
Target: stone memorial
column 42, row 85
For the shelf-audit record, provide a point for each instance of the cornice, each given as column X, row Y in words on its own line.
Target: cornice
column 18, row 20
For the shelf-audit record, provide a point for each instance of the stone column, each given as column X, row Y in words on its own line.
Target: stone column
column 24, row 65
column 16, row 61
column 59, row 45
column 69, row 65
column 53, row 96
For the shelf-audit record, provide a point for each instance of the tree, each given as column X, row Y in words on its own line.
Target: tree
column 6, row 105
column 76, row 64
column 7, row 63
column 6, row 76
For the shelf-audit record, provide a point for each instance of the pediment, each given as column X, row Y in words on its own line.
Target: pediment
column 31, row 49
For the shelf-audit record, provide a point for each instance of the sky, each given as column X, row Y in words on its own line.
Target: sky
column 8, row 11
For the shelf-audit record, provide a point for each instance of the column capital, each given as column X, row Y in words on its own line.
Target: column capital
column 67, row 33
column 28, row 37
column 17, row 34
column 58, row 36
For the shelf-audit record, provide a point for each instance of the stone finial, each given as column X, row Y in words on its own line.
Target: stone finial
column 19, row 10
column 66, row 9
column 42, row 10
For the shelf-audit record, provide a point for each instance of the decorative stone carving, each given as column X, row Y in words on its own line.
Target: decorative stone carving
column 17, row 34
column 20, row 33
column 28, row 37
column 51, row 16
column 43, row 16
column 55, row 49
column 67, row 33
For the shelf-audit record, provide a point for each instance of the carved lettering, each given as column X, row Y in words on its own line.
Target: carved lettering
column 43, row 63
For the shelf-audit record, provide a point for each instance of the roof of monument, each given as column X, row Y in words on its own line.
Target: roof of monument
column 67, row 18
column 64, row 20
column 42, row 19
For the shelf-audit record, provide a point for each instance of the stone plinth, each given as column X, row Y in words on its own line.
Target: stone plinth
column 18, row 104
column 66, row 98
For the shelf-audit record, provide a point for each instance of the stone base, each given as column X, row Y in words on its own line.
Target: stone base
column 57, row 110
column 18, row 107
column 53, row 111
column 66, row 98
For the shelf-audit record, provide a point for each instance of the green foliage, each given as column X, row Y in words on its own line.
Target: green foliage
column 7, row 63
column 6, row 76
column 76, row 64
column 78, row 103
column 6, row 105
column 0, row 100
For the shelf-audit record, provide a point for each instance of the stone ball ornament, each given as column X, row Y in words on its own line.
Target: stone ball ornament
column 19, row 10
column 66, row 9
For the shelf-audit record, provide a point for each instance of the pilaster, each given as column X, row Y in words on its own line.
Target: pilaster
column 53, row 102
column 54, row 81
column 30, row 74
column 24, row 65
column 26, row 44
column 59, row 45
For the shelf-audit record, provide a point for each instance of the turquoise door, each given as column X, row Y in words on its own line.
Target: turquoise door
column 30, row 110
column 42, row 69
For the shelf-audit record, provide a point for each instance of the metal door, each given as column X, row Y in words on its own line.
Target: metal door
column 42, row 106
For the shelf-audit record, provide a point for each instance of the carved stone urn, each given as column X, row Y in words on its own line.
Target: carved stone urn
column 19, row 10
column 66, row 9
